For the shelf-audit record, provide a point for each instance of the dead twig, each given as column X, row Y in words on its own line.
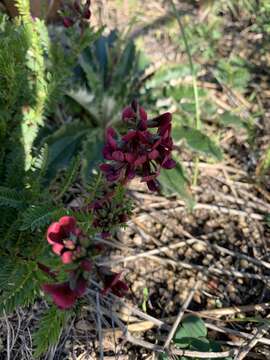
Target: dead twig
column 181, row 314
column 248, row 345
column 100, row 337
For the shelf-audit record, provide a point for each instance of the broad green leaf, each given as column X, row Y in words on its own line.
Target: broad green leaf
column 199, row 344
column 165, row 75
column 83, row 97
column 174, row 181
column 92, row 153
column 198, row 141
column 190, row 328
column 230, row 119
column 125, row 64
column 214, row 346
column 184, row 92
column 63, row 145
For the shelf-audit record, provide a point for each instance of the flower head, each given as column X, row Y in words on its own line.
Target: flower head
column 63, row 236
column 139, row 152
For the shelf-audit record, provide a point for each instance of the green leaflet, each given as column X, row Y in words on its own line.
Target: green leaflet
column 174, row 181
column 230, row 119
column 191, row 327
column 198, row 141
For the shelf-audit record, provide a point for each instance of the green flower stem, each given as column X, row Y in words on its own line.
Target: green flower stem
column 197, row 123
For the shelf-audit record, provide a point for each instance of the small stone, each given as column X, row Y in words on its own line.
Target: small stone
column 68, row 344
column 231, row 289
column 84, row 325
column 137, row 240
column 244, row 263
column 199, row 247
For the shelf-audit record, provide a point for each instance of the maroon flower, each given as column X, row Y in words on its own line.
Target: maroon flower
column 139, row 152
column 63, row 236
column 87, row 14
column 68, row 22
column 135, row 113
column 113, row 283
column 86, row 265
column 63, row 295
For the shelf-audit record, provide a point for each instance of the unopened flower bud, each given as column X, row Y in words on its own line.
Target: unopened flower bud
column 87, row 14
column 85, row 242
column 69, row 244
column 68, row 22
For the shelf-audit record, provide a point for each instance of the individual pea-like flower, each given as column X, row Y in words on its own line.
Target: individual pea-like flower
column 112, row 283
column 64, row 237
column 63, row 295
column 139, row 152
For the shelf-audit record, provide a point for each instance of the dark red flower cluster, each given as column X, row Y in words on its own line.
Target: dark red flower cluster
column 64, row 236
column 140, row 152
column 78, row 12
column 71, row 245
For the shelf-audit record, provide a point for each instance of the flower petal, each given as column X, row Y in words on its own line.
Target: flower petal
column 68, row 223
column 61, row 294
column 110, row 138
column 128, row 113
column 169, row 164
column 57, row 248
column 153, row 185
column 81, row 286
column 55, row 233
column 153, row 154
column 67, row 257
column 118, row 156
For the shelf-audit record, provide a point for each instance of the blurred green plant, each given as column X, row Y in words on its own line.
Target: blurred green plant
column 30, row 78
column 108, row 77
column 109, row 74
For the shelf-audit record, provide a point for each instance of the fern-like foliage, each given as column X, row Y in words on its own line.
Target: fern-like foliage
column 11, row 198
column 19, row 284
column 38, row 216
column 34, row 73
column 50, row 329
